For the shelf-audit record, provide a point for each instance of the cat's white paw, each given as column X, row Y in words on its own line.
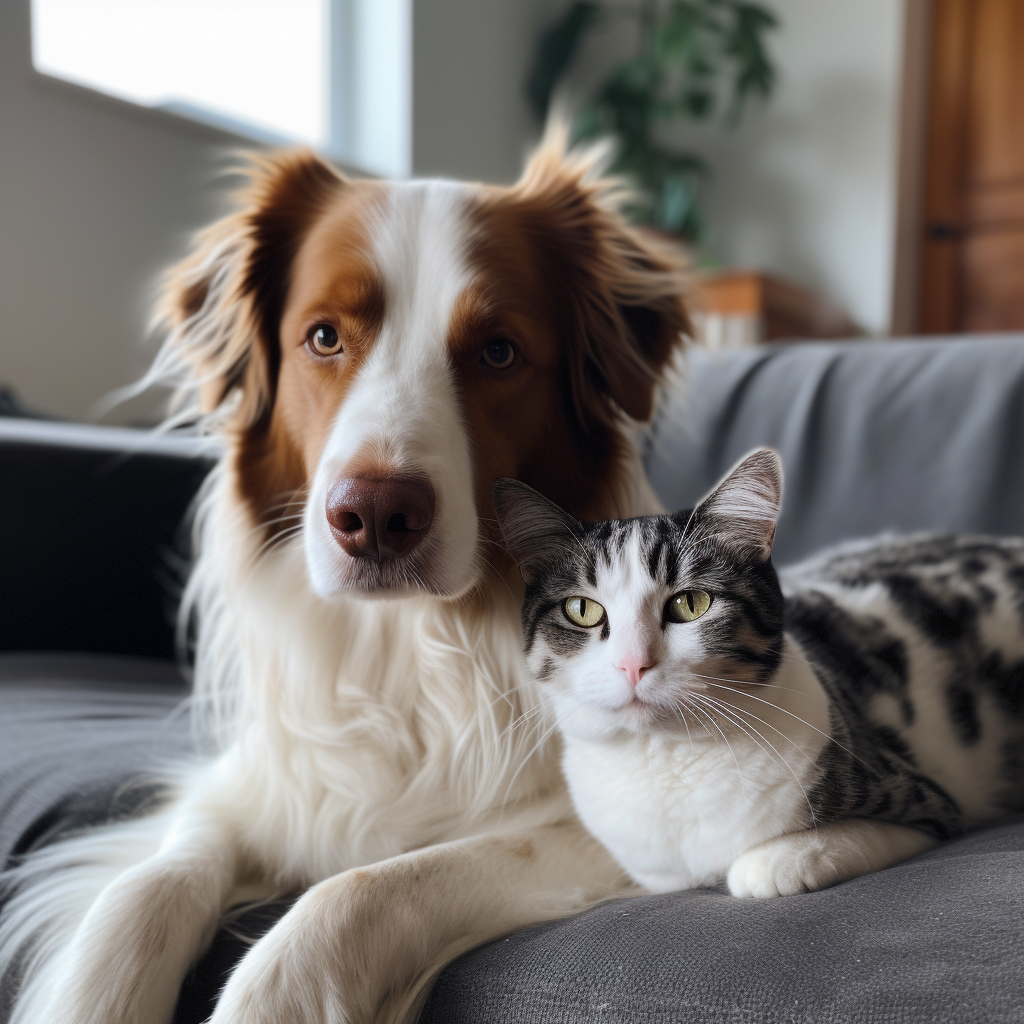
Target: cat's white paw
column 782, row 867
column 820, row 857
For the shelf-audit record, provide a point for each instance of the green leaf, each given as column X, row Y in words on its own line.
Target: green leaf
column 694, row 57
column 755, row 74
column 589, row 123
column 698, row 103
column 676, row 38
column 675, row 202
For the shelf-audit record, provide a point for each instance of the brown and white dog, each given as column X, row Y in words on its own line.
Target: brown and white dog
column 374, row 355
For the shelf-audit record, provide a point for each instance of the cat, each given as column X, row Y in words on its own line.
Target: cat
column 781, row 736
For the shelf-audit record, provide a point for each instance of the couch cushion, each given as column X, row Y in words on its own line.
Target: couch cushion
column 887, row 435
column 936, row 939
column 73, row 730
column 80, row 736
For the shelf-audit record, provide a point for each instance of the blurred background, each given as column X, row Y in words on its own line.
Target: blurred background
column 836, row 168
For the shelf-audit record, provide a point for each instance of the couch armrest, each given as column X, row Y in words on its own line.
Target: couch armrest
column 91, row 536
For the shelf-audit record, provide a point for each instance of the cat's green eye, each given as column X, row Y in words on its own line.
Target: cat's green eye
column 687, row 606
column 583, row 611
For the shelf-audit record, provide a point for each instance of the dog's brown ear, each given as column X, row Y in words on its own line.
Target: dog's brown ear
column 620, row 291
column 223, row 303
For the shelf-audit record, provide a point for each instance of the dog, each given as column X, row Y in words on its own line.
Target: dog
column 373, row 356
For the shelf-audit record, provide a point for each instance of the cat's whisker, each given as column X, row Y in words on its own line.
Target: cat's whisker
column 739, row 771
column 755, row 735
column 684, row 709
column 686, row 725
column 701, row 715
column 545, row 735
column 803, row 721
column 732, row 707
column 747, row 682
column 725, row 710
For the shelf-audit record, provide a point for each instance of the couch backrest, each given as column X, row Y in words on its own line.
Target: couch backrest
column 901, row 435
column 888, row 435
column 92, row 552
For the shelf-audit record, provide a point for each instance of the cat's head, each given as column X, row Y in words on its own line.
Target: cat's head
column 637, row 624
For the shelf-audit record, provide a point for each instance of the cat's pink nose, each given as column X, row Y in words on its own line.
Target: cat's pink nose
column 634, row 669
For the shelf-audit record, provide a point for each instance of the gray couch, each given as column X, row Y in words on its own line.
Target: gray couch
column 874, row 436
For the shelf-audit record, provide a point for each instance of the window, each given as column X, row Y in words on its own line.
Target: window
column 331, row 73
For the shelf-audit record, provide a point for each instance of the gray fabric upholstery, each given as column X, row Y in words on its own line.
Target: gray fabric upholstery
column 936, row 939
column 73, row 730
column 79, row 736
column 889, row 435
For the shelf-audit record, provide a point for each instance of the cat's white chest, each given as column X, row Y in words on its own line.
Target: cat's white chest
column 677, row 815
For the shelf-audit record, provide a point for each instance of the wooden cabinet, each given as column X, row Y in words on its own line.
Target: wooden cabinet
column 736, row 308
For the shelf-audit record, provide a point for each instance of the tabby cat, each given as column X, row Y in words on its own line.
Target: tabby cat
column 719, row 724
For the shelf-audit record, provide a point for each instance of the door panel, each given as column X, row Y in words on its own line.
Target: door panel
column 972, row 267
column 993, row 299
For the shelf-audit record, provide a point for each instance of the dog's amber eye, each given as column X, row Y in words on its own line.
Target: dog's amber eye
column 687, row 606
column 583, row 611
column 323, row 340
column 498, row 354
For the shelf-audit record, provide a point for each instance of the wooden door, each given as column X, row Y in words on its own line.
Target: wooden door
column 972, row 266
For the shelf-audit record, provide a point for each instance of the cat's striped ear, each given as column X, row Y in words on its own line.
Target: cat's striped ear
column 536, row 530
column 741, row 512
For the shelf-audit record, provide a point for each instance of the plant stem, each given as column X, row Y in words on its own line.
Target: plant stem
column 647, row 15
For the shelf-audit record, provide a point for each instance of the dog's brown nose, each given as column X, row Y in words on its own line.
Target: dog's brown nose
column 382, row 518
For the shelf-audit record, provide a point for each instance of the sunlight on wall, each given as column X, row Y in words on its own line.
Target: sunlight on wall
column 258, row 66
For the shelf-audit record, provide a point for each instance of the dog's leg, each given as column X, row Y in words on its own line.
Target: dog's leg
column 361, row 946
column 129, row 955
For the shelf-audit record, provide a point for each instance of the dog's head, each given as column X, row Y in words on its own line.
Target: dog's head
column 379, row 353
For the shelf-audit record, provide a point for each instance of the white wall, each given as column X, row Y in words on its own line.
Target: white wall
column 96, row 196
column 808, row 186
column 469, row 61
column 94, row 199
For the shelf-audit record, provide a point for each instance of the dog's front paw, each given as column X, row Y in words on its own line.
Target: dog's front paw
column 781, row 867
column 280, row 981
column 325, row 962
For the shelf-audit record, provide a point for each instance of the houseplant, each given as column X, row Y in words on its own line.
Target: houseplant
column 694, row 60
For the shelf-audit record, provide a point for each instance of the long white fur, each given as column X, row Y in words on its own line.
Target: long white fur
column 356, row 736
